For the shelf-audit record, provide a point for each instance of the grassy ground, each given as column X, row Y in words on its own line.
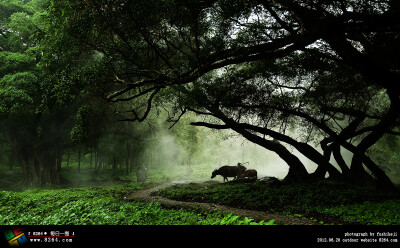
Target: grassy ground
column 96, row 199
column 325, row 202
column 98, row 206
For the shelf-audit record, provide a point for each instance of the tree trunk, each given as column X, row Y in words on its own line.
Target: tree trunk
column 10, row 164
column 40, row 166
column 382, row 179
column 357, row 174
column 297, row 171
column 128, row 159
column 114, row 164
column 339, row 159
column 304, row 148
column 79, row 160
column 68, row 156
column 381, row 76
column 91, row 159
column 356, row 165
column 96, row 160
column 39, row 157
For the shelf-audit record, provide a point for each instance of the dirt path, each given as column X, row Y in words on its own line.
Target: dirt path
column 148, row 196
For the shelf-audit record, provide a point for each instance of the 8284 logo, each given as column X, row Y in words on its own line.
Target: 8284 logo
column 15, row 237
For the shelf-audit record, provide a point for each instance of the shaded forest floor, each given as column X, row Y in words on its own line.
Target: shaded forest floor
column 151, row 195
column 322, row 202
column 97, row 198
column 106, row 205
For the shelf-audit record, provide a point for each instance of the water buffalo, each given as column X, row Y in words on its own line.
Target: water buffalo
column 229, row 171
column 241, row 167
column 250, row 174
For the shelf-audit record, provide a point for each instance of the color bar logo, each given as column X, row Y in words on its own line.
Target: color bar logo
column 15, row 237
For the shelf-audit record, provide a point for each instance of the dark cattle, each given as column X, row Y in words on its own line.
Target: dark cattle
column 229, row 171
column 241, row 167
column 250, row 174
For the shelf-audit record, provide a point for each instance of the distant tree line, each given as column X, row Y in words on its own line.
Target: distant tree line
column 53, row 105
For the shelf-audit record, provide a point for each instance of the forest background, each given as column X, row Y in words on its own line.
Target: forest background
column 95, row 90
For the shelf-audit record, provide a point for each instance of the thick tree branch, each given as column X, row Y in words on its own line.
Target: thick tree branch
column 209, row 125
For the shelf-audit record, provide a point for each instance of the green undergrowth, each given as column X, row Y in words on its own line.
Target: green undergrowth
column 100, row 206
column 325, row 202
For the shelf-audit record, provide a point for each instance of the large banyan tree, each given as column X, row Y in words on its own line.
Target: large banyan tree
column 317, row 76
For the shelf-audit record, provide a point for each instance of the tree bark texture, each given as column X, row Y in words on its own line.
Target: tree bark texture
column 40, row 161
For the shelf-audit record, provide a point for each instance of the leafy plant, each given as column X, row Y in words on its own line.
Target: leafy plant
column 320, row 201
column 100, row 206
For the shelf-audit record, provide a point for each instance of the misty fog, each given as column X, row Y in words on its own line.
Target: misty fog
column 215, row 148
